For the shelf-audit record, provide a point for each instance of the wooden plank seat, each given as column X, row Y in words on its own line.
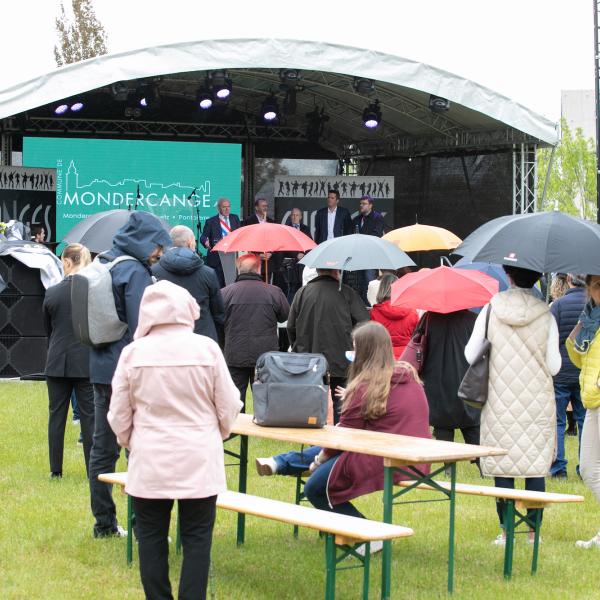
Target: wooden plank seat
column 517, row 504
column 343, row 534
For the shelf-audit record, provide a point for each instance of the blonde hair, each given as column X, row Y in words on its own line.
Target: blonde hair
column 78, row 254
column 371, row 371
column 385, row 287
column 558, row 287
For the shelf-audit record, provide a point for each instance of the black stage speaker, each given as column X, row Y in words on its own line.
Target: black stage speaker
column 21, row 316
column 21, row 280
column 22, row 355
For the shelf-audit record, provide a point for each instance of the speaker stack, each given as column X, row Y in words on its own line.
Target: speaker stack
column 22, row 334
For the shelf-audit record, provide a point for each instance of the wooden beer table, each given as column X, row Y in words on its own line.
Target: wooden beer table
column 399, row 452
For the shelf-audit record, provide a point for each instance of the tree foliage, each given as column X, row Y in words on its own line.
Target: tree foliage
column 572, row 180
column 80, row 38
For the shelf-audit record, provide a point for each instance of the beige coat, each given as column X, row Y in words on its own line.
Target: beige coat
column 520, row 414
column 173, row 401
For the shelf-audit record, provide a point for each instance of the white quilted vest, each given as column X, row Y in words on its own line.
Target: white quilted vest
column 520, row 414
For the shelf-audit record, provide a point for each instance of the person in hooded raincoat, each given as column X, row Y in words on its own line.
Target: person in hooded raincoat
column 173, row 404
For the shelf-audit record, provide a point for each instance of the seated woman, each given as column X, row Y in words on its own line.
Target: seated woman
column 173, row 402
column 400, row 321
column 381, row 396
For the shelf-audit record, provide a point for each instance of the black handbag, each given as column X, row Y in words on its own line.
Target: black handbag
column 416, row 349
column 473, row 389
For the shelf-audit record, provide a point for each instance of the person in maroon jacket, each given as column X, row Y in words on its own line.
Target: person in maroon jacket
column 398, row 320
column 381, row 396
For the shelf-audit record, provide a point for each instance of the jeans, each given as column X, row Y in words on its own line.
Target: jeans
column 103, row 459
column 315, row 488
column 196, row 521
column 532, row 484
column 242, row 377
column 60, row 391
column 590, row 451
column 565, row 393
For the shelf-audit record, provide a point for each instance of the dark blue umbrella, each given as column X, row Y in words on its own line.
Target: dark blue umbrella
column 491, row 269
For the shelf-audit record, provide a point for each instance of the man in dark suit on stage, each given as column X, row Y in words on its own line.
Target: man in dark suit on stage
column 215, row 229
column 367, row 222
column 261, row 207
column 333, row 220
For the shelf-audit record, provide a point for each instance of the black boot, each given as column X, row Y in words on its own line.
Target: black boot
column 571, row 424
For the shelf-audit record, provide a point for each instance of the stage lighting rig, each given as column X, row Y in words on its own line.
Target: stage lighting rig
column 372, row 115
column 438, row 104
column 149, row 96
column 362, row 86
column 289, row 79
column 120, row 91
column 315, row 124
column 204, row 98
column 220, row 85
column 73, row 105
column 270, row 109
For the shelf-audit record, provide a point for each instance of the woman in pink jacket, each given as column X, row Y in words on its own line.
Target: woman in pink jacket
column 173, row 402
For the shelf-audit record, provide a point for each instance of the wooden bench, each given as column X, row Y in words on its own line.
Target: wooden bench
column 517, row 503
column 343, row 534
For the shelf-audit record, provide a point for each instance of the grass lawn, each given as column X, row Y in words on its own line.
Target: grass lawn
column 47, row 549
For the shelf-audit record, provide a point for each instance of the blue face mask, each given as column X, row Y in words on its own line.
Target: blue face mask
column 350, row 355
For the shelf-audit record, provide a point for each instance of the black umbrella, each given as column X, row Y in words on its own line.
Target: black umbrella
column 548, row 242
column 96, row 232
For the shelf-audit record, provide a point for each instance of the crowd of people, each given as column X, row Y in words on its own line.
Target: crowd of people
column 168, row 392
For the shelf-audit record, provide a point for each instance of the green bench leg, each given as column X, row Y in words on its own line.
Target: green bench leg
column 452, row 516
column 241, row 520
column 386, row 563
column 509, row 528
column 129, row 531
column 536, row 540
column 366, row 567
column 331, row 566
column 178, row 538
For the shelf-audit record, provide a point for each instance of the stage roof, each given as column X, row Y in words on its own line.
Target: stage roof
column 478, row 118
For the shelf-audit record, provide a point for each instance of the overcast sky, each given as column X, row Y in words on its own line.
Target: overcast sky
column 528, row 50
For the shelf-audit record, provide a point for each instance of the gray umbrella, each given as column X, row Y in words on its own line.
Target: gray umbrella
column 96, row 232
column 549, row 242
column 357, row 252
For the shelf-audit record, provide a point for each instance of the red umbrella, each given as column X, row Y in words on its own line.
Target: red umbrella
column 265, row 237
column 444, row 290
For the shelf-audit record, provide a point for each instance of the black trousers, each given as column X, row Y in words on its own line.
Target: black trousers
column 103, row 459
column 532, row 484
column 242, row 377
column 470, row 434
column 337, row 403
column 59, row 399
column 196, row 520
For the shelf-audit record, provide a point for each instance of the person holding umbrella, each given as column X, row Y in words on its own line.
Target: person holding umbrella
column 584, row 352
column 520, row 412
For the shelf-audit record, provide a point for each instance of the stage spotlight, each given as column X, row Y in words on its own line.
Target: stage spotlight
column 363, row 86
column 61, row 109
column 204, row 99
column 120, row 91
column 372, row 115
column 438, row 104
column 149, row 96
column 220, row 85
column 270, row 109
column 289, row 78
column 77, row 106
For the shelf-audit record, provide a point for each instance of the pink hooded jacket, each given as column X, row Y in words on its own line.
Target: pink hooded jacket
column 173, row 401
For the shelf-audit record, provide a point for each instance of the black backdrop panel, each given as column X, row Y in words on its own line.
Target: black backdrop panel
column 29, row 207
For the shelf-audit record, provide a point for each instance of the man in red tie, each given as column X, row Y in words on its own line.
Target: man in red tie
column 215, row 229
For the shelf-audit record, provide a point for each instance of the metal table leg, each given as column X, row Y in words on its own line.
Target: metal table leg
column 129, row 530
column 330, row 561
column 451, row 527
column 386, row 564
column 536, row 541
column 509, row 528
column 241, row 520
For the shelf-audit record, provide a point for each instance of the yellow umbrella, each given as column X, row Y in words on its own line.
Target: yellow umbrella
column 415, row 238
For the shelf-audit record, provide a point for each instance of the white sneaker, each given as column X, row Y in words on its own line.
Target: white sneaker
column 376, row 546
column 500, row 540
column 75, row 421
column 266, row 466
column 120, row 532
column 593, row 543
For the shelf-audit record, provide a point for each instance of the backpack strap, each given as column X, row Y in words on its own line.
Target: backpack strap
column 112, row 261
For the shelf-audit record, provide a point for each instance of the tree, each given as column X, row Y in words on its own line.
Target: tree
column 572, row 180
column 83, row 37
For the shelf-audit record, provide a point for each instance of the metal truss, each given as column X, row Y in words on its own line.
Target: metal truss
column 524, row 178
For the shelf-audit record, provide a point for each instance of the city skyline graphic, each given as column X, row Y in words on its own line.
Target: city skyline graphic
column 131, row 184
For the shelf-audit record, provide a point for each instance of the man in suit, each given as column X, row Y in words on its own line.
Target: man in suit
column 333, row 220
column 215, row 229
column 367, row 222
column 261, row 208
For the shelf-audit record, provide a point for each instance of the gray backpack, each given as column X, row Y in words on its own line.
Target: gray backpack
column 95, row 319
column 289, row 390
